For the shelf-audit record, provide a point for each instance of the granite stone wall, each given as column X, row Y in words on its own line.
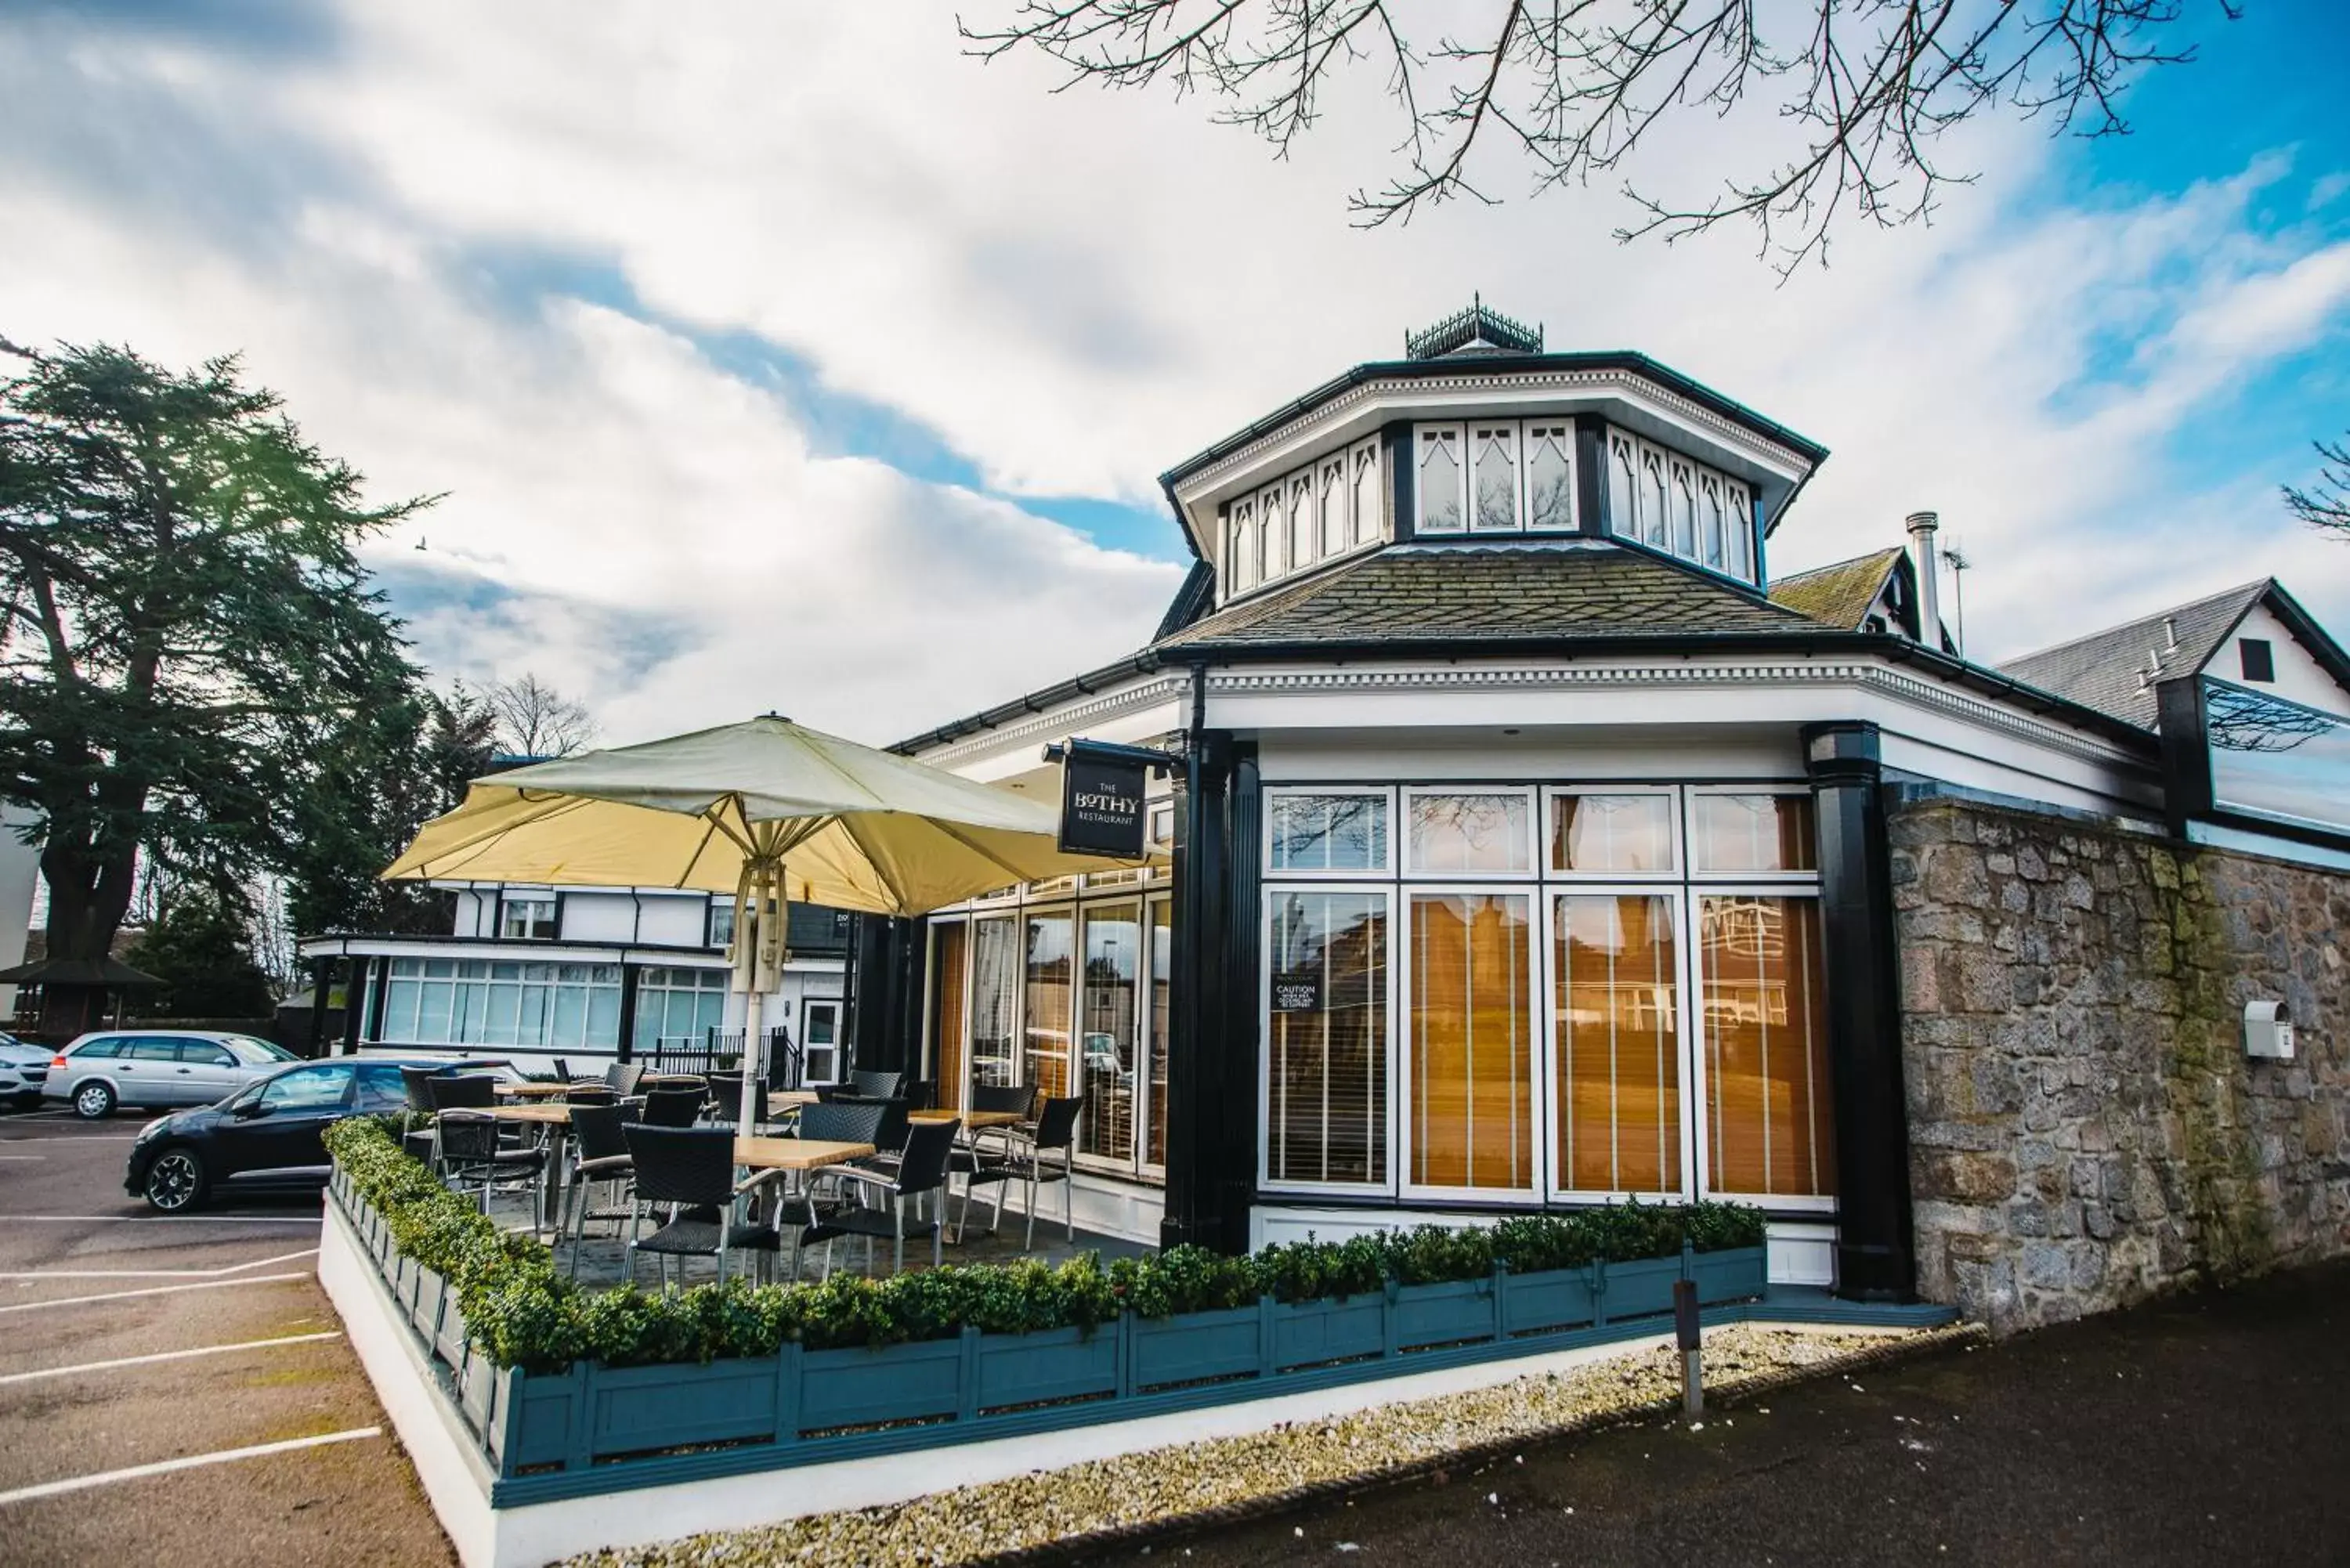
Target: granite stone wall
column 2086, row 1129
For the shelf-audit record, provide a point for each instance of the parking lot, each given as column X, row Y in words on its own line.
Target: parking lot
column 178, row 1390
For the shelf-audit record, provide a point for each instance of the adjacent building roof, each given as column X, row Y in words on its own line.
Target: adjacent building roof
column 1457, row 593
column 1840, row 595
column 2101, row 671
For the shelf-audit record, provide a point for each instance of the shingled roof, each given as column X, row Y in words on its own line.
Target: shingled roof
column 1842, row 595
column 1499, row 593
column 2101, row 671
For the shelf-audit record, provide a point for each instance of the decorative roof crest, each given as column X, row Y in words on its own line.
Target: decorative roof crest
column 1474, row 330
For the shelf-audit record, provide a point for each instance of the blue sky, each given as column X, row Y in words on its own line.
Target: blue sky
column 750, row 387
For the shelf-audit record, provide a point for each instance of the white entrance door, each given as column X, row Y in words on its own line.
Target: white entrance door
column 820, row 1039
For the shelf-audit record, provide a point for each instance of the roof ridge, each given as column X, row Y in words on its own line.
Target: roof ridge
column 2257, row 585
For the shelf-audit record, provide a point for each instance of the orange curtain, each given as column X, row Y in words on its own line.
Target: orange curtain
column 1472, row 1034
column 1767, row 1101
column 951, row 955
column 1619, row 1055
column 1050, row 968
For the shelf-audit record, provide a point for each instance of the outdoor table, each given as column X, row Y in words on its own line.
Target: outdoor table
column 974, row 1120
column 796, row 1153
column 535, row 1091
column 778, row 1099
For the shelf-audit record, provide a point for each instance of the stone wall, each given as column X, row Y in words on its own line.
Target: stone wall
column 2086, row 1129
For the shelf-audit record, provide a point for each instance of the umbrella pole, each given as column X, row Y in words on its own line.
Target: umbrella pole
column 763, row 975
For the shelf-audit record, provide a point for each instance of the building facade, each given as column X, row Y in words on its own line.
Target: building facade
column 590, row 975
column 1529, row 840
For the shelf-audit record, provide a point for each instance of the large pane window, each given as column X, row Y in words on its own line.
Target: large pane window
column 1615, row 1016
column 950, row 974
column 1767, row 1107
column 1494, row 471
column 531, row 916
column 1045, row 1052
column 1162, row 992
column 680, row 1008
column 1471, row 1034
column 1439, row 489
column 477, row 1002
column 1612, row 835
column 994, row 1002
column 1735, row 833
column 1475, row 834
column 1326, row 1041
column 1550, row 476
column 1107, row 1043
column 1317, row 833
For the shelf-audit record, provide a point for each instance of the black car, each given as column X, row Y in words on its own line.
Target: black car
column 265, row 1136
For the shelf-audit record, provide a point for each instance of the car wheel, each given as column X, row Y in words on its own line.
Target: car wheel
column 94, row 1101
column 176, row 1181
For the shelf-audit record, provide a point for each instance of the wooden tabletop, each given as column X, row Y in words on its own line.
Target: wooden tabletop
column 968, row 1118
column 552, row 1116
column 535, row 1091
column 777, row 1098
column 796, row 1153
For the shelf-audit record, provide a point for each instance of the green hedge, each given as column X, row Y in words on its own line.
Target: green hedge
column 523, row 1312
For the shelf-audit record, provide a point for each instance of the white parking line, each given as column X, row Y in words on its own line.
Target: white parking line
column 36, row 1159
column 159, row 1219
column 156, row 1273
column 101, row 1138
column 168, row 1356
column 153, row 1290
column 165, row 1466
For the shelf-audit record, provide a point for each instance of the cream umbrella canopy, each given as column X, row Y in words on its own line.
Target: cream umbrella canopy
column 765, row 810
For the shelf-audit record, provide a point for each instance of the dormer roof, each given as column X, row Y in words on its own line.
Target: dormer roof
column 1842, row 595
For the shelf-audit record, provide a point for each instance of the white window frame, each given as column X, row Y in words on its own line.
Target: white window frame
column 1297, row 517
column 1509, row 434
column 1738, row 499
column 1677, row 896
column 931, row 1003
column 1422, row 438
column 1701, row 1077
column 1240, row 528
column 1106, row 1164
column 1526, row 429
column 1330, row 494
column 1266, row 1184
column 1535, row 852
column 1370, row 524
column 1271, row 530
column 1675, row 816
column 1401, row 1095
column 549, row 897
column 1384, row 872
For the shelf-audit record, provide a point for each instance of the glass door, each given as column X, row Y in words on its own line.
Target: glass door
column 820, row 1039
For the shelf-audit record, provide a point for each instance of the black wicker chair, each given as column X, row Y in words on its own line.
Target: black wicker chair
column 622, row 1078
column 1056, row 1129
column 984, row 1160
column 673, row 1107
column 876, row 1085
column 691, row 1170
column 922, row 1171
column 600, row 1157
column 472, row 1159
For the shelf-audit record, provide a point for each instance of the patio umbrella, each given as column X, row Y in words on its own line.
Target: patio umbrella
column 765, row 810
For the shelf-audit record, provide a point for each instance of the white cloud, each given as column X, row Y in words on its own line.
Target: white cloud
column 1074, row 291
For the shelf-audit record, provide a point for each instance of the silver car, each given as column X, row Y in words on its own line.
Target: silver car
column 157, row 1068
column 22, row 1069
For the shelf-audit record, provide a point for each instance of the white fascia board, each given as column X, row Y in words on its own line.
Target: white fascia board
column 1135, row 712
column 1676, row 709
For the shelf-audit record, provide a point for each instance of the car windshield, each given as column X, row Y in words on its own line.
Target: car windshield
column 256, row 1052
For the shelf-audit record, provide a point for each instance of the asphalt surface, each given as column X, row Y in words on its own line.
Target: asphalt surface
column 233, row 1274
column 2213, row 1428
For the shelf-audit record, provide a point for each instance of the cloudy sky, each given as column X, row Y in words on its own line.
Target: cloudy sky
column 780, row 357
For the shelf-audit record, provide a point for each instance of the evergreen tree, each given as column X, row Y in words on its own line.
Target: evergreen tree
column 201, row 948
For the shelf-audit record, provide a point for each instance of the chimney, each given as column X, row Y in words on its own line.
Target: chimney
column 1930, row 596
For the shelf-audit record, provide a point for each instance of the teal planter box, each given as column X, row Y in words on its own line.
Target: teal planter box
column 1739, row 1273
column 1310, row 1334
column 900, row 1382
column 638, row 1409
column 1641, row 1289
column 1552, row 1300
column 476, row 1383
column 1060, row 1364
column 1195, row 1347
column 1448, row 1313
column 551, row 1408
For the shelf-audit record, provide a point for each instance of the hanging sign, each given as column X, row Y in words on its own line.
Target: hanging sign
column 1101, row 802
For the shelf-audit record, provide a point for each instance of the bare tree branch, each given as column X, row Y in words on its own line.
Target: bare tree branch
column 1576, row 87
column 2325, row 505
column 534, row 719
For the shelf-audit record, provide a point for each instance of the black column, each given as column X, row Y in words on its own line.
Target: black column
column 1211, row 1024
column 354, row 1000
column 1864, row 1013
column 882, row 968
column 625, row 1048
column 382, row 965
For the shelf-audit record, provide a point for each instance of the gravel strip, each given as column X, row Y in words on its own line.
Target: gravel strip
column 1045, row 1513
